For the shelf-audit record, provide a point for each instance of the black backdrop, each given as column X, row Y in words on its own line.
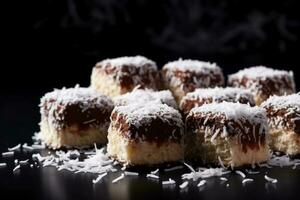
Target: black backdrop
column 52, row 43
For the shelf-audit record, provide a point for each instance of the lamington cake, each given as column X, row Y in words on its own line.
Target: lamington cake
column 146, row 95
column 118, row 76
column 229, row 134
column 145, row 134
column 284, row 121
column 263, row 82
column 209, row 95
column 183, row 76
column 74, row 117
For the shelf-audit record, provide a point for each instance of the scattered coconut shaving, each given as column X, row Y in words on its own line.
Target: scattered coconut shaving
column 99, row 177
column 131, row 173
column 25, row 146
column 155, row 171
column 223, row 179
column 97, row 163
column 205, row 173
column 3, row 165
column 169, row 182
column 119, row 178
column 17, row 168
column 173, row 168
column 246, row 180
column 269, row 179
column 24, row 162
column 15, row 148
column 240, row 173
column 183, row 185
column 152, row 176
column 8, row 154
column 201, row 183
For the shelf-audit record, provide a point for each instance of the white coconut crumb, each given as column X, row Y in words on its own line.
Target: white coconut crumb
column 201, row 183
column 173, row 168
column 227, row 185
column 123, row 168
column 15, row 148
column 8, row 154
column 118, row 178
column 16, row 161
column 240, row 173
column 205, row 173
column 31, row 165
column 152, row 176
column 99, row 177
column 169, row 182
column 3, row 165
column 190, row 167
column 223, row 179
column 155, row 171
column 246, row 180
column 127, row 173
column 269, row 179
column 183, row 185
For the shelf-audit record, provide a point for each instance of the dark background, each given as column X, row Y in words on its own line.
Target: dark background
column 54, row 43
column 49, row 44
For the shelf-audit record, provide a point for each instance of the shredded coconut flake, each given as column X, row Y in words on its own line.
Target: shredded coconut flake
column 173, row 168
column 201, row 183
column 155, row 171
column 3, row 165
column 169, row 182
column 205, row 173
column 183, row 185
column 246, row 180
column 118, row 178
column 240, row 173
column 15, row 148
column 131, row 173
column 99, row 177
column 7, row 154
column 269, row 179
column 289, row 102
column 152, row 176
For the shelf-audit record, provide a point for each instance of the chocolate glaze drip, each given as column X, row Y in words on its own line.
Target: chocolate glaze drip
column 74, row 115
column 156, row 131
column 249, row 134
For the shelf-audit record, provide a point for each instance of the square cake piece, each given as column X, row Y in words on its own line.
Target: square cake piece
column 145, row 134
column 183, row 76
column 263, row 82
column 144, row 96
column 118, row 76
column 284, row 121
column 229, row 134
column 74, row 117
column 210, row 95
